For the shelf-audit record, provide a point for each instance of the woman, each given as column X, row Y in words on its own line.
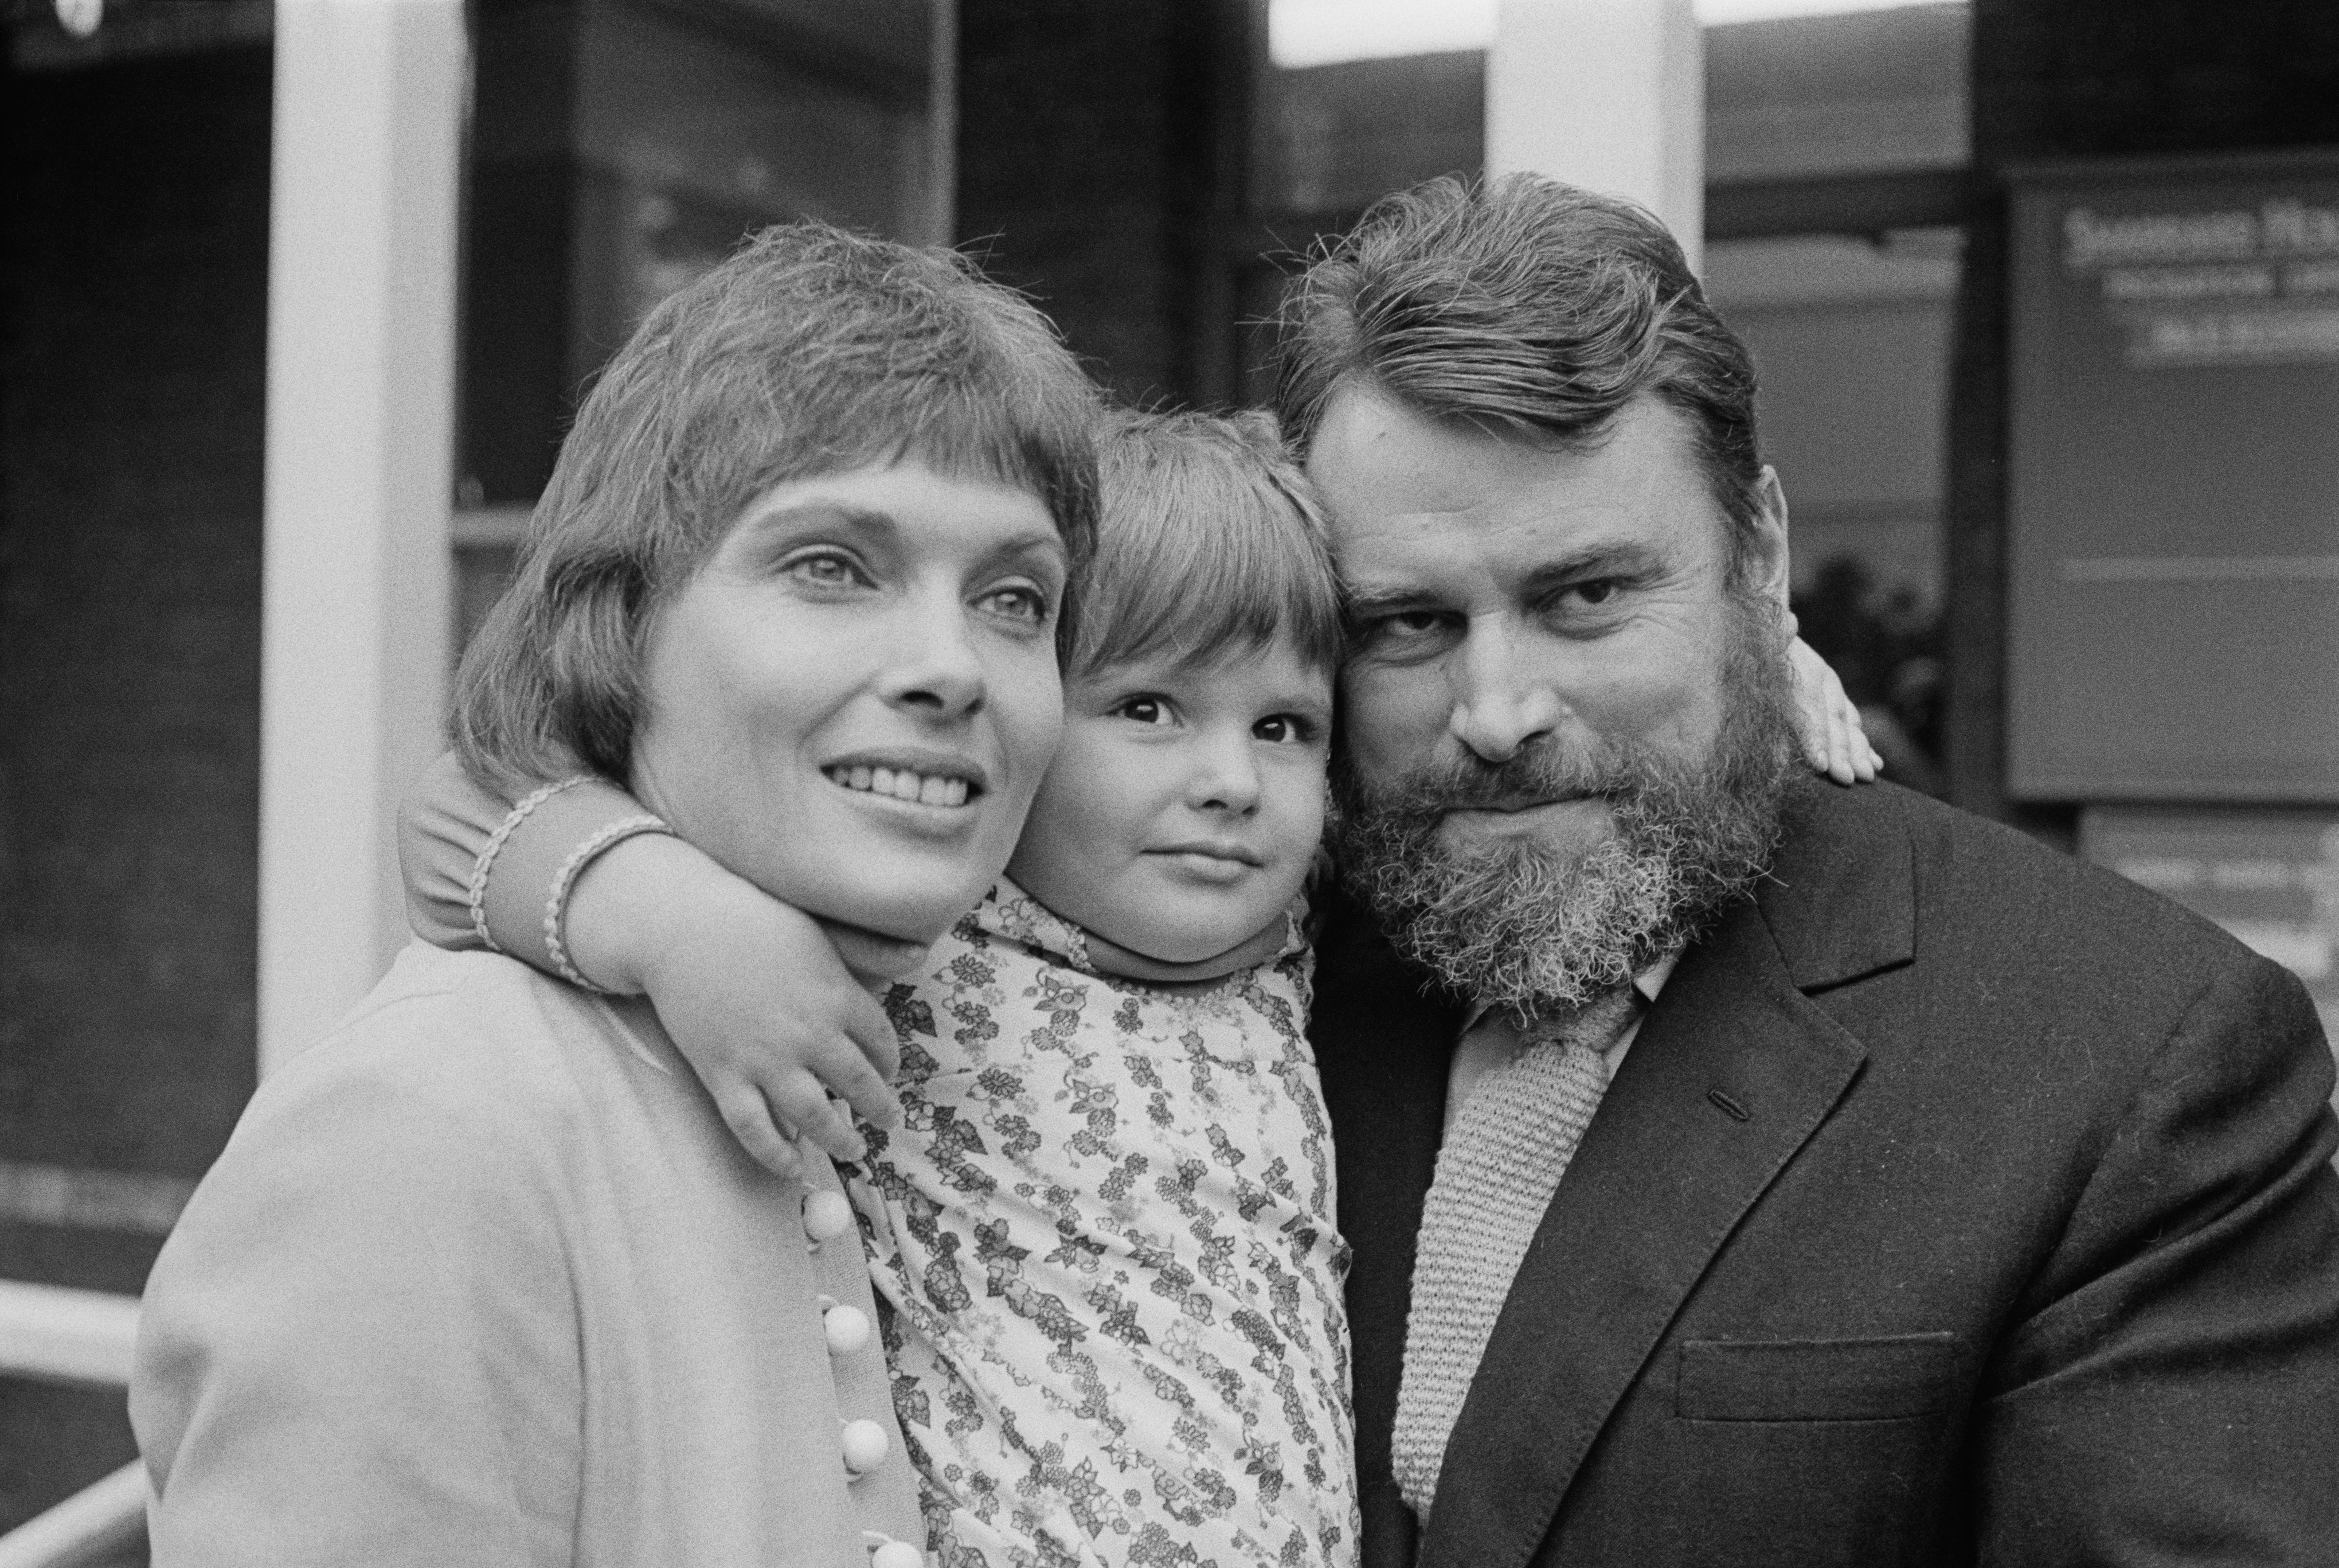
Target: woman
column 483, row 1277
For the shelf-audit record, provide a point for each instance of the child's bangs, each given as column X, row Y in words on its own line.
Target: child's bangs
column 1209, row 545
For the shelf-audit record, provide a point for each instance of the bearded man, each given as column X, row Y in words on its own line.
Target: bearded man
column 1741, row 1170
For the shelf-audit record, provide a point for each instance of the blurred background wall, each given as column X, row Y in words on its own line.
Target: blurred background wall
column 1151, row 171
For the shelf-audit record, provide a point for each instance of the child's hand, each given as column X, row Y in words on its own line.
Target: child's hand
column 753, row 992
column 1835, row 743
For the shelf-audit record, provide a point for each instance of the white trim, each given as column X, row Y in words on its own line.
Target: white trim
column 94, row 1524
column 83, row 1199
column 489, row 527
column 942, row 126
column 63, row 1335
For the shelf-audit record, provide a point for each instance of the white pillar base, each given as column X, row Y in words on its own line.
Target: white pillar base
column 371, row 99
column 1607, row 94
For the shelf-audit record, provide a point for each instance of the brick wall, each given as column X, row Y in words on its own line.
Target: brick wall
column 132, row 358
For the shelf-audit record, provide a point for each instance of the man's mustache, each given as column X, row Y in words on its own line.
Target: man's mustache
column 1529, row 776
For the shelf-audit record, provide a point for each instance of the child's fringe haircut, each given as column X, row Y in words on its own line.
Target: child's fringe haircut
column 810, row 351
column 1210, row 545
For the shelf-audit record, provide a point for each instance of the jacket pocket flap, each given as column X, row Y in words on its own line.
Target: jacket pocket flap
column 1815, row 1379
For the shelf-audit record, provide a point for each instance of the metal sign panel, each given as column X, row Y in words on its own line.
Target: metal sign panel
column 2174, row 483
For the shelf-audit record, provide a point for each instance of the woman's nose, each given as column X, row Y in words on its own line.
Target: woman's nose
column 935, row 670
column 1499, row 705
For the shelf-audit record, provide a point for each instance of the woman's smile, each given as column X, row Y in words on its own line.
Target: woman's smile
column 921, row 778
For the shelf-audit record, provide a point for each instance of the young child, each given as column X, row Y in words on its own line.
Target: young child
column 1102, row 1235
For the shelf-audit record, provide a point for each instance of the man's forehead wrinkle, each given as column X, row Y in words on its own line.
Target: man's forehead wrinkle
column 1395, row 564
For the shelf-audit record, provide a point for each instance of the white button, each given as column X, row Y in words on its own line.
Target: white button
column 864, row 1446
column 827, row 1216
column 847, row 1328
column 897, row 1554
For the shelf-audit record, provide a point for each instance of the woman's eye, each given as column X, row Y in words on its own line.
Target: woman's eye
column 1025, row 605
column 827, row 570
column 1143, row 710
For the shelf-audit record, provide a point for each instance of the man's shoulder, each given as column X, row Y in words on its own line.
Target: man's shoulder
column 1878, row 863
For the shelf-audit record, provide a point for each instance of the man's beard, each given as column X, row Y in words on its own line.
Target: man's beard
column 1516, row 924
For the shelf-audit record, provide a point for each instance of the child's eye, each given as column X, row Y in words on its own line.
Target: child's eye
column 1283, row 729
column 1144, row 709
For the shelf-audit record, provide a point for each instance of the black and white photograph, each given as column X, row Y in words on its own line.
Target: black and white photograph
column 1169, row 783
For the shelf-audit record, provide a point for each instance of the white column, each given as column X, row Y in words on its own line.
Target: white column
column 1608, row 94
column 371, row 99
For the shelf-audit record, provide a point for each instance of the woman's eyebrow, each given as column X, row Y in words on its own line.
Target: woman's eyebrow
column 828, row 513
column 1037, row 542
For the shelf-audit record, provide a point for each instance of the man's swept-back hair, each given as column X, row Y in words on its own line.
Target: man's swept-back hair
column 809, row 351
column 1520, row 304
column 1209, row 545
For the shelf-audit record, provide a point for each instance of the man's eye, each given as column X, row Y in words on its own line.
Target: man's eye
column 1598, row 591
column 1402, row 627
column 1143, row 710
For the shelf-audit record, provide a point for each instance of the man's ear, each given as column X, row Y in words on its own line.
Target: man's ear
column 1767, row 572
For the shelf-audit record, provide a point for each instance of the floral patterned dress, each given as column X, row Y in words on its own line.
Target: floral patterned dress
column 1107, row 1273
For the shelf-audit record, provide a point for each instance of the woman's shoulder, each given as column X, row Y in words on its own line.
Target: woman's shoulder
column 457, row 1049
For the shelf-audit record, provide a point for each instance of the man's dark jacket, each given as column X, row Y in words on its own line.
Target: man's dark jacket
column 1957, row 1202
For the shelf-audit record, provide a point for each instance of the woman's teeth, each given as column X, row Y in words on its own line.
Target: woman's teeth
column 926, row 789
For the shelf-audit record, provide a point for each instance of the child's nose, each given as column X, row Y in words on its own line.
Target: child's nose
column 1226, row 779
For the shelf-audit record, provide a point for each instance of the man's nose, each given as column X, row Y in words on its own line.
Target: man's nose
column 1499, row 704
column 1226, row 777
column 934, row 669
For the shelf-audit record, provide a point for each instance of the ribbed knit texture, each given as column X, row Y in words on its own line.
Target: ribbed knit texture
column 1500, row 1164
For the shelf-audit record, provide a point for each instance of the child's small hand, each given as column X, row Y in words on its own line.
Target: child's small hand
column 1835, row 742
column 752, row 990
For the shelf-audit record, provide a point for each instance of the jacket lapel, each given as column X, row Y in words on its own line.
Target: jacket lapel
column 1666, row 1171
column 1385, row 1040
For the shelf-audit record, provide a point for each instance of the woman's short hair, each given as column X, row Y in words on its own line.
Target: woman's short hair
column 1209, row 544
column 811, row 351
column 1523, row 304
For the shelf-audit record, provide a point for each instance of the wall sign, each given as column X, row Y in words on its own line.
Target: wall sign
column 2174, row 483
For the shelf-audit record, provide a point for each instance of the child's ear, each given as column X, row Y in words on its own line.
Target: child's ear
column 1765, row 558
